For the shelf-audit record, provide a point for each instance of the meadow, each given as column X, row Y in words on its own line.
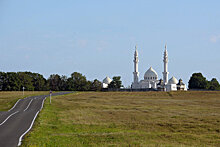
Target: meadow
column 129, row 119
column 9, row 98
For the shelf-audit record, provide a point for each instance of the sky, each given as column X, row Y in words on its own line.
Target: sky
column 97, row 37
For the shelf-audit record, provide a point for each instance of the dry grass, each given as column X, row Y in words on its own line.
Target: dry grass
column 129, row 118
column 9, row 98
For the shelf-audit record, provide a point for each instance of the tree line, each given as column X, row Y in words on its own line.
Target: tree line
column 15, row 81
column 198, row 81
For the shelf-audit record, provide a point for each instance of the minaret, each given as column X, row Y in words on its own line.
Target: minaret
column 165, row 61
column 136, row 73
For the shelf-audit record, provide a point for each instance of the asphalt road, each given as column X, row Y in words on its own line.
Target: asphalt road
column 15, row 123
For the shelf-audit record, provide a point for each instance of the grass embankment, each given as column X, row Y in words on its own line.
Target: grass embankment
column 125, row 118
column 8, row 99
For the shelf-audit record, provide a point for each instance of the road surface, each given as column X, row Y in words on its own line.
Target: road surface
column 16, row 122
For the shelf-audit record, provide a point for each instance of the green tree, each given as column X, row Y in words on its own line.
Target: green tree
column 2, row 78
column 54, row 82
column 116, row 82
column 213, row 84
column 96, row 85
column 77, row 82
column 26, row 81
column 63, row 83
column 197, row 81
column 10, row 81
column 39, row 82
column 88, row 86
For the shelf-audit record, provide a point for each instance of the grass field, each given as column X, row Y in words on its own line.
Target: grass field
column 8, row 99
column 129, row 119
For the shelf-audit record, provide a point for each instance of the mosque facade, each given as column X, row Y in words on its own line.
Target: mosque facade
column 151, row 81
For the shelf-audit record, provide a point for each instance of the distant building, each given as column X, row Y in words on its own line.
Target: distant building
column 106, row 82
column 151, row 77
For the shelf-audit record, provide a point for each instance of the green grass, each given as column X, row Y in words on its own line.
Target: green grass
column 128, row 119
column 8, row 99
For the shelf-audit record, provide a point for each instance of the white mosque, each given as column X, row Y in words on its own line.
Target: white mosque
column 151, row 81
column 106, row 82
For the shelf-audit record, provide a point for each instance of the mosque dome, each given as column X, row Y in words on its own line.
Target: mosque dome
column 173, row 80
column 107, row 80
column 150, row 74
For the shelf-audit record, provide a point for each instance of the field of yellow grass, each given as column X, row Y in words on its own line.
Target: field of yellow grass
column 129, row 119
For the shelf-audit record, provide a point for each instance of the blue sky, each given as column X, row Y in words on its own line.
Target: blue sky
column 97, row 37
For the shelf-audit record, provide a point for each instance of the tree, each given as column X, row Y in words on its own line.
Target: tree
column 197, row 81
column 88, row 85
column 213, row 84
column 2, row 78
column 26, row 80
column 54, row 82
column 77, row 82
column 63, row 83
column 10, row 81
column 96, row 85
column 116, row 82
column 39, row 82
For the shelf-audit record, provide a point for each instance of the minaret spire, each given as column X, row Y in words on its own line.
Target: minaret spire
column 136, row 52
column 165, row 61
column 136, row 73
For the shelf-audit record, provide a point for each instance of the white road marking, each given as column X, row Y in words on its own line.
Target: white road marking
column 20, row 139
column 8, row 117
column 28, row 105
column 14, row 105
column 42, row 104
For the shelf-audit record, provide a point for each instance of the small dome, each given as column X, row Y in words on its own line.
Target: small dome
column 173, row 80
column 180, row 82
column 107, row 80
column 150, row 74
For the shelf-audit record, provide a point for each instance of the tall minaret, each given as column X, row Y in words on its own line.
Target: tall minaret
column 136, row 73
column 165, row 61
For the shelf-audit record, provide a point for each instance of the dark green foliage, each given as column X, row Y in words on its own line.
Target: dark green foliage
column 2, row 78
column 63, row 83
column 12, row 81
column 198, row 81
column 39, row 82
column 54, row 82
column 96, row 85
column 116, row 83
column 26, row 81
column 77, row 82
column 213, row 84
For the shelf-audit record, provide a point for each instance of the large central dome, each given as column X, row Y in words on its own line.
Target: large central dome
column 107, row 80
column 150, row 74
